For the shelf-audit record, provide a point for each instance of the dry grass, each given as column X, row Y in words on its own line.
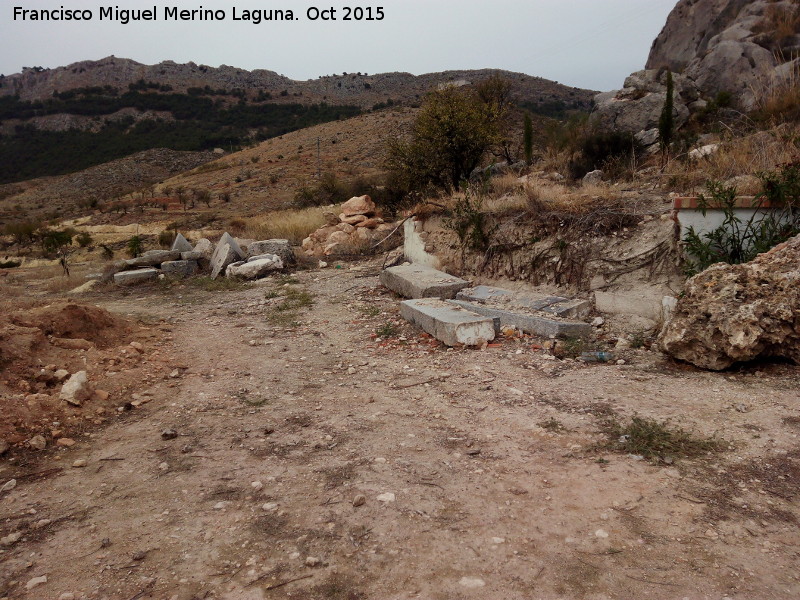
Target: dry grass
column 778, row 97
column 738, row 156
column 292, row 225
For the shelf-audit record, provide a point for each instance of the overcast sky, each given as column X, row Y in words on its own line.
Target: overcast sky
column 584, row 43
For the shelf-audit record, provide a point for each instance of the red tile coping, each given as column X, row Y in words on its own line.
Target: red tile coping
column 692, row 203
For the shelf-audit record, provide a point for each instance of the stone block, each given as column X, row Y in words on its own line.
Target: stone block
column 181, row 244
column 416, row 281
column 450, row 324
column 529, row 322
column 506, row 299
column 179, row 269
column 152, row 258
column 226, row 252
column 281, row 248
column 136, row 277
column 255, row 267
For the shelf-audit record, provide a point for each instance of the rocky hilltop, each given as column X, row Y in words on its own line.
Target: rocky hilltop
column 736, row 49
column 359, row 89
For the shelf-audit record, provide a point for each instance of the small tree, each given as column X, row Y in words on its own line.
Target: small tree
column 527, row 139
column 449, row 136
column 665, row 121
column 135, row 246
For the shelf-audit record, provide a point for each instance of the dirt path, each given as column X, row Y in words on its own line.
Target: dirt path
column 477, row 469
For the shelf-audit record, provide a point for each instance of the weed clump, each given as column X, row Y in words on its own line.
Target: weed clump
column 656, row 440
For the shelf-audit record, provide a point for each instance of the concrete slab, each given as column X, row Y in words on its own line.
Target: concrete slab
column 529, row 322
column 152, row 258
column 416, row 281
column 450, row 324
column 506, row 299
column 136, row 277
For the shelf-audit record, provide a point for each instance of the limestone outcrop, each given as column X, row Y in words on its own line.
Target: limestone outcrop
column 736, row 313
column 711, row 46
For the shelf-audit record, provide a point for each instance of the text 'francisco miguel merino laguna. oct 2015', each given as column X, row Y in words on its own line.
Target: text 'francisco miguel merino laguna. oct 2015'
column 173, row 13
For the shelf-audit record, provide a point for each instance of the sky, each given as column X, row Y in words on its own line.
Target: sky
column 591, row 44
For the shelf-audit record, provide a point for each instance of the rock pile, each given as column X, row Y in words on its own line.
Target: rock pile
column 355, row 227
column 735, row 313
column 227, row 257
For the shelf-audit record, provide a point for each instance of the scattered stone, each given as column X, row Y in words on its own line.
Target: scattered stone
column 742, row 408
column 386, row 497
column 359, row 500
column 80, row 463
column 101, row 395
column 471, row 582
column 8, row 485
column 11, row 538
column 164, row 466
column 67, row 596
column 416, row 281
column 37, row 442
column 140, row 555
column 85, row 287
column 181, row 244
column 169, row 434
column 601, row 533
column 36, row 581
column 270, row 506
column 65, row 442
column 452, row 325
column 593, row 177
column 4, row 446
column 498, row 540
column 137, row 346
column 598, row 322
column 257, row 485
column 313, row 561
column 136, row 277
column 77, row 389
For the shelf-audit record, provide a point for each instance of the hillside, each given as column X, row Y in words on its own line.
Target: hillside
column 360, row 89
column 57, row 121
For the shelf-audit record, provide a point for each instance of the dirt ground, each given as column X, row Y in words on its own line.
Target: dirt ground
column 250, row 452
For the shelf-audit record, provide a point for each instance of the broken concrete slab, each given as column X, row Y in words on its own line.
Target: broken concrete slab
column 416, row 281
column 136, row 277
column 529, row 322
column 181, row 244
column 179, row 269
column 450, row 324
column 152, row 258
column 567, row 308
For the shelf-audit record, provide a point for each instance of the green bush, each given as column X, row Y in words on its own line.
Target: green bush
column 600, row 149
column 470, row 223
column 736, row 241
column 83, row 239
column 135, row 246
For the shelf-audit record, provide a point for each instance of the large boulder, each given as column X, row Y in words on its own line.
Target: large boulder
column 735, row 313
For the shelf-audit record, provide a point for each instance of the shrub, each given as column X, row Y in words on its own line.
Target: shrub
column 600, row 149
column 736, row 241
column 53, row 240
column 83, row 239
column 470, row 223
column 449, row 136
column 135, row 246
column 166, row 238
